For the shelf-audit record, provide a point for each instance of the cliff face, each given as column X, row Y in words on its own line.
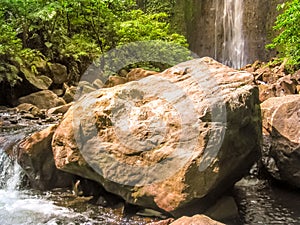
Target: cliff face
column 203, row 26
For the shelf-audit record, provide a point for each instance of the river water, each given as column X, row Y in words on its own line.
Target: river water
column 258, row 201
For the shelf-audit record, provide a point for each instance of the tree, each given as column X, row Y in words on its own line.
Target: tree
column 287, row 42
column 74, row 32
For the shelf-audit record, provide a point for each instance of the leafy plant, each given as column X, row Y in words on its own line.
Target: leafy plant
column 287, row 43
column 77, row 32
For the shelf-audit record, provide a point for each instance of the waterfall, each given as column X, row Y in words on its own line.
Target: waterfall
column 229, row 15
column 22, row 207
column 10, row 172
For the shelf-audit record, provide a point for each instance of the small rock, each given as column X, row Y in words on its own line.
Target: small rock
column 60, row 109
column 32, row 109
column 98, row 84
column 50, row 119
column 43, row 99
column 59, row 73
column 138, row 73
column 69, row 94
column 58, row 92
column 13, row 120
column 115, row 80
column 29, row 116
column 123, row 73
column 150, row 213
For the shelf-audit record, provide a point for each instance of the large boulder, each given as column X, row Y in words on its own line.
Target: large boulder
column 36, row 158
column 39, row 82
column 281, row 151
column 43, row 99
column 174, row 141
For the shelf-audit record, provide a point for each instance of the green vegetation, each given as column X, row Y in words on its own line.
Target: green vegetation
column 74, row 33
column 287, row 43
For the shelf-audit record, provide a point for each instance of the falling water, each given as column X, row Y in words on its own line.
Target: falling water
column 230, row 17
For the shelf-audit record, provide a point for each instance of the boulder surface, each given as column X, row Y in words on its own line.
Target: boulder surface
column 36, row 158
column 174, row 141
column 281, row 151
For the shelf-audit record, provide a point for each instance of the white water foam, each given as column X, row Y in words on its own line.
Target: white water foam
column 21, row 207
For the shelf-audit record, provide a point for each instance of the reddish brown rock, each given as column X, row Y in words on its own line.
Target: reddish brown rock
column 196, row 220
column 162, row 222
column 36, row 158
column 173, row 142
column 115, row 80
column 286, row 85
column 139, row 73
column 281, row 122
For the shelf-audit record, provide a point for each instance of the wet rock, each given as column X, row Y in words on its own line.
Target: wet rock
column 151, row 213
column 13, row 120
column 43, row 99
column 196, row 220
column 29, row 116
column 58, row 73
column 32, row 109
column 36, row 158
column 162, row 142
column 281, row 122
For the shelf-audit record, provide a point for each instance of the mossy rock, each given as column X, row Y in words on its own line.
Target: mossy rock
column 40, row 82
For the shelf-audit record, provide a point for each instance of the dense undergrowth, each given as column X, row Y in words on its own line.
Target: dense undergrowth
column 75, row 33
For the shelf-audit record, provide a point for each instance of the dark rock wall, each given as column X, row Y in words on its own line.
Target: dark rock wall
column 205, row 32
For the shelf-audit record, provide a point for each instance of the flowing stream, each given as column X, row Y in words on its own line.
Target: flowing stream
column 229, row 15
